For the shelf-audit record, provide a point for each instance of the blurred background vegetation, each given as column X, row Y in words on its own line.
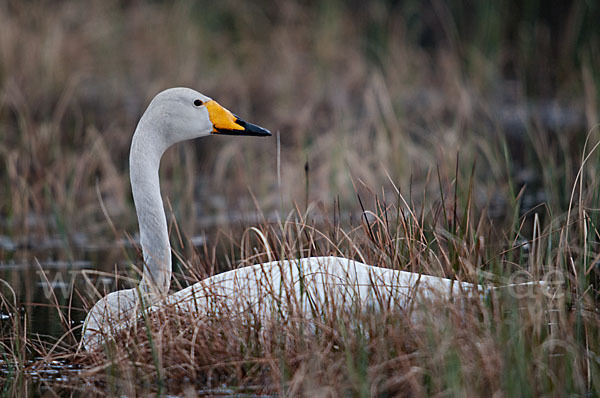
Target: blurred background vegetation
column 355, row 90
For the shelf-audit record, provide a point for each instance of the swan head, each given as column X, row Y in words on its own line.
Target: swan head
column 181, row 114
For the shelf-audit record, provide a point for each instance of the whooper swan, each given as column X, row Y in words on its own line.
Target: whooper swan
column 180, row 114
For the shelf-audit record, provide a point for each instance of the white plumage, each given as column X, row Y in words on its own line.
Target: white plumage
column 180, row 114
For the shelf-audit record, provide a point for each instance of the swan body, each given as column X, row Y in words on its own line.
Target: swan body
column 180, row 114
column 311, row 281
column 301, row 286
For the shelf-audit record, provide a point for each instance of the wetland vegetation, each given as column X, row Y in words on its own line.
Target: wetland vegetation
column 440, row 137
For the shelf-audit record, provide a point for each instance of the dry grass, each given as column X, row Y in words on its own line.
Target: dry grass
column 358, row 97
column 525, row 342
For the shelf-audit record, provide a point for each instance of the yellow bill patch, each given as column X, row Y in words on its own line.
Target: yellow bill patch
column 221, row 118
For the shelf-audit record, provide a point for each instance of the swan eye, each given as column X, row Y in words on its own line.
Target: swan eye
column 198, row 102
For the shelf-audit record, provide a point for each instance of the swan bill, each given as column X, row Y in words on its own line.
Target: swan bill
column 226, row 123
column 248, row 129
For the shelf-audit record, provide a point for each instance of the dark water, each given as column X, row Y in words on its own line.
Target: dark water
column 51, row 275
column 47, row 286
column 70, row 275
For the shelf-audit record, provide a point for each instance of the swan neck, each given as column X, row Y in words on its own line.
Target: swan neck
column 144, row 162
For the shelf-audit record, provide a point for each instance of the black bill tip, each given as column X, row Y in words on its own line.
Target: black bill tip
column 249, row 129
